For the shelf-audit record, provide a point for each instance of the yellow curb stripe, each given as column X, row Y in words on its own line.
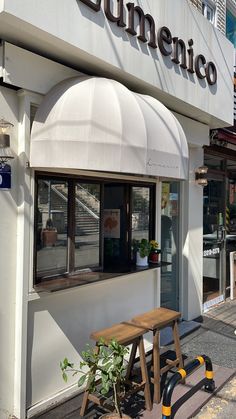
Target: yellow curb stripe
column 200, row 359
column 209, row 374
column 182, row 372
column 166, row 410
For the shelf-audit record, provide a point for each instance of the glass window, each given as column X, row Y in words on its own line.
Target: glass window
column 213, row 216
column 213, row 204
column 115, row 222
column 88, row 225
column 170, row 245
column 208, row 11
column 51, row 227
column 231, row 27
column 140, row 212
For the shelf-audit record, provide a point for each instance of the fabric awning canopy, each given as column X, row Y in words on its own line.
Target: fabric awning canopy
column 98, row 124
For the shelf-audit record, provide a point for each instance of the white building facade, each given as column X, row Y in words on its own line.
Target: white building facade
column 126, row 97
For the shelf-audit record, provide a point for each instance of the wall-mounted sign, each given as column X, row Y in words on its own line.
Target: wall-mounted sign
column 5, row 177
column 172, row 46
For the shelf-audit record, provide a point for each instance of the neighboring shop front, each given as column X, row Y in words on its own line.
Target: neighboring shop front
column 219, row 201
column 109, row 121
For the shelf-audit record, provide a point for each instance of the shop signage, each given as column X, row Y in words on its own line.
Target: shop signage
column 169, row 45
column 211, row 252
column 5, row 177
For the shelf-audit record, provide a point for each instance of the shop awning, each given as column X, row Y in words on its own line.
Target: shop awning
column 95, row 123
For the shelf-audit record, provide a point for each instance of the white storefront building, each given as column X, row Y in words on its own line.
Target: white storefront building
column 130, row 109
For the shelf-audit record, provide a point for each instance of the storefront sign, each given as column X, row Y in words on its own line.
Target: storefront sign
column 211, row 252
column 174, row 47
column 5, row 177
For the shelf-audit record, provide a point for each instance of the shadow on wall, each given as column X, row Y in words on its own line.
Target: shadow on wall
column 191, row 292
column 59, row 326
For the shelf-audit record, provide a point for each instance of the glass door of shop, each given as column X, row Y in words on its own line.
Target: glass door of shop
column 219, row 215
column 230, row 224
column 214, row 202
column 170, row 245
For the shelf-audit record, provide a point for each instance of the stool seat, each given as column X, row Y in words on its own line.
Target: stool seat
column 124, row 333
column 156, row 318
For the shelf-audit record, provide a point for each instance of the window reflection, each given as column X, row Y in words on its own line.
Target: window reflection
column 140, row 212
column 170, row 245
column 87, row 223
column 70, row 237
column 51, row 237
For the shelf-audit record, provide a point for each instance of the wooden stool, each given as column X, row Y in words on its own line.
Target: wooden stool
column 125, row 334
column 155, row 320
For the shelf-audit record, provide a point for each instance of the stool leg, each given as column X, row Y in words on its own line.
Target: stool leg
column 177, row 344
column 144, row 372
column 131, row 360
column 86, row 394
column 156, row 367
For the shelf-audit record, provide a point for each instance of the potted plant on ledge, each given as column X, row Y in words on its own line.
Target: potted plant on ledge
column 105, row 372
column 154, row 252
column 142, row 248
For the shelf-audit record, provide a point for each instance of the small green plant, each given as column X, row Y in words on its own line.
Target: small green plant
column 107, row 364
column 142, row 246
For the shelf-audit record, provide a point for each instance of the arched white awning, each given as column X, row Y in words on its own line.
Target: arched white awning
column 98, row 124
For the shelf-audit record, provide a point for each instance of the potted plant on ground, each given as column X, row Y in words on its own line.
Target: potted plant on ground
column 142, row 248
column 154, row 252
column 105, row 372
column 49, row 234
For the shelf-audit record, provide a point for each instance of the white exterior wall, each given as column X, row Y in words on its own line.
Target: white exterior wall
column 192, row 279
column 8, row 244
column 77, row 35
column 59, row 325
column 38, row 330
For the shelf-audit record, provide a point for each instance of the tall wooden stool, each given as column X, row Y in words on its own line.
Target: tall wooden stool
column 125, row 334
column 155, row 320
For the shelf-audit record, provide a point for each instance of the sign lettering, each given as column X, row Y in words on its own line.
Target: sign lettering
column 168, row 45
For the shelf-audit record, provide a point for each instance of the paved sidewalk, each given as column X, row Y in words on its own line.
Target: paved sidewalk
column 222, row 405
column 220, row 325
column 216, row 338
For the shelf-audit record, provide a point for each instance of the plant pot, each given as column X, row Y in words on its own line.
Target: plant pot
column 114, row 416
column 49, row 237
column 141, row 261
column 154, row 256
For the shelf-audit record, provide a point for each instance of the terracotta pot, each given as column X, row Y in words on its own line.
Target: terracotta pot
column 114, row 416
column 49, row 237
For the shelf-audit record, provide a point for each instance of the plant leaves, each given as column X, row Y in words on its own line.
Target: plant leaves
column 64, row 376
column 81, row 381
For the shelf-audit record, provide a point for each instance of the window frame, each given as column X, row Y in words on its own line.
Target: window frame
column 102, row 181
column 209, row 6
